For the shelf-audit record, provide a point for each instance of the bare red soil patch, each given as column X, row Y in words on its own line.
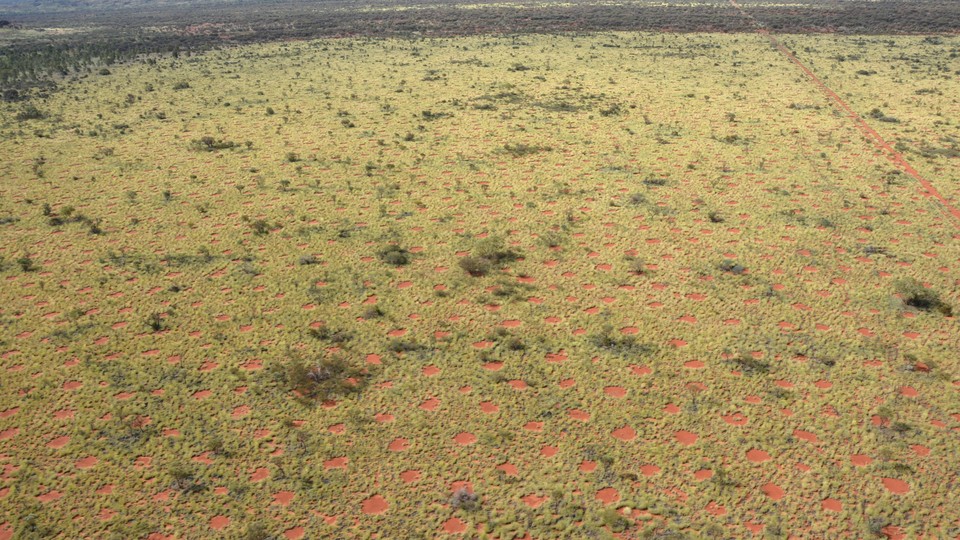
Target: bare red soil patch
column 465, row 439
column 773, row 491
column 454, row 526
column 608, row 495
column 896, row 486
column 374, row 505
column 219, row 522
column 626, row 433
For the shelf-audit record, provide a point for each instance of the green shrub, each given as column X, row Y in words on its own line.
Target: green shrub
column 323, row 379
column 30, row 112
column 476, row 266
column 615, row 520
column 209, row 144
column 395, row 255
column 27, row 264
column 465, row 500
column 914, row 294
column 522, row 149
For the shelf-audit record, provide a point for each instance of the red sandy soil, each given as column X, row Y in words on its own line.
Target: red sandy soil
column 410, row 476
column 87, row 462
column 773, row 491
column 686, row 438
column 832, row 505
column 454, row 526
column 757, row 456
column 374, row 505
column 896, row 486
column 283, row 498
column 336, row 463
column 608, row 495
column 465, row 439
column 615, row 391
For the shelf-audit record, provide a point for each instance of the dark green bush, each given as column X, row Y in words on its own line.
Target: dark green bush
column 914, row 294
column 323, row 379
column 395, row 255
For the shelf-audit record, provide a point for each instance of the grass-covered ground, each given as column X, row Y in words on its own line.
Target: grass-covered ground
column 533, row 287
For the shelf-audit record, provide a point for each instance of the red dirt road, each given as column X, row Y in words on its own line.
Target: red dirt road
column 894, row 156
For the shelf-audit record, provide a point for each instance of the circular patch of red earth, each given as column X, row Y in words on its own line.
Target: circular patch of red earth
column 920, row 450
column 533, row 500
column 757, row 456
column 336, row 463
column 465, row 439
column 860, row 460
column 374, row 505
column 896, row 486
column 489, row 407
column 548, row 451
column 615, row 391
column 608, row 495
column 773, row 491
column 626, row 433
column 649, row 470
column 59, row 442
column 430, row 404
column 832, row 505
column 736, row 419
column 283, row 498
column 219, row 522
column 410, row 476
column 454, row 526
column 703, row 474
column 686, row 438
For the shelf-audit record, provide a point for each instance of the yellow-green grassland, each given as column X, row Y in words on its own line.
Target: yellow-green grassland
column 537, row 286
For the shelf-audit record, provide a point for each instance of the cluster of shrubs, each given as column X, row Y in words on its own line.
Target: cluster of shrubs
column 68, row 214
column 209, row 144
column 488, row 256
column 320, row 379
column 915, row 295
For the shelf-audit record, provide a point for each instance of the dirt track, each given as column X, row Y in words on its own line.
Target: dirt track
column 892, row 154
